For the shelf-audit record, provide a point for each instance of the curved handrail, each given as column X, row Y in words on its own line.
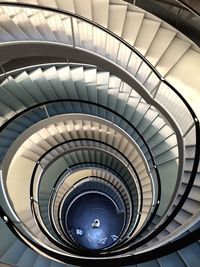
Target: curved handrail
column 189, row 27
column 59, row 11
column 119, row 261
column 74, row 15
column 84, row 166
column 105, row 30
column 116, row 114
column 67, row 194
column 91, row 103
column 133, row 200
column 83, row 101
column 83, row 253
column 131, row 165
column 189, row 7
column 196, row 123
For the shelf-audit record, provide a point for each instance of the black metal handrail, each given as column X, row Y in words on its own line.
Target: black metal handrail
column 116, row 114
column 71, row 167
column 67, row 198
column 176, row 3
column 189, row 7
column 119, row 261
column 163, row 10
column 129, row 164
column 80, row 166
column 159, row 184
column 196, row 122
column 74, row 15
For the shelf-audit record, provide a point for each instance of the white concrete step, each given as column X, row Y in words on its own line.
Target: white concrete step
column 116, row 25
column 100, row 10
column 66, row 5
column 84, row 8
column 148, row 31
column 129, row 32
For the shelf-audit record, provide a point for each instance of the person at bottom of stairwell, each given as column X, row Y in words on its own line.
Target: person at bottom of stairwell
column 79, row 231
column 96, row 223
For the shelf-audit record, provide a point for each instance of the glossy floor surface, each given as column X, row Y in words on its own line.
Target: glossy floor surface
column 94, row 222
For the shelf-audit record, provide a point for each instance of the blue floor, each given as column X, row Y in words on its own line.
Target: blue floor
column 93, row 222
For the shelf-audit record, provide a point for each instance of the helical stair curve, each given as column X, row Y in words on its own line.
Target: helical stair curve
column 99, row 152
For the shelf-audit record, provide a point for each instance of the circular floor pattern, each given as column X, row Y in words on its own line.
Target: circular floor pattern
column 93, row 221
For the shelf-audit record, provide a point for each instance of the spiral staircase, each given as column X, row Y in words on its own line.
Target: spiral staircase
column 99, row 137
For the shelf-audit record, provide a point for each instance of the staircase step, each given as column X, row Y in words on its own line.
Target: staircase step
column 116, row 11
